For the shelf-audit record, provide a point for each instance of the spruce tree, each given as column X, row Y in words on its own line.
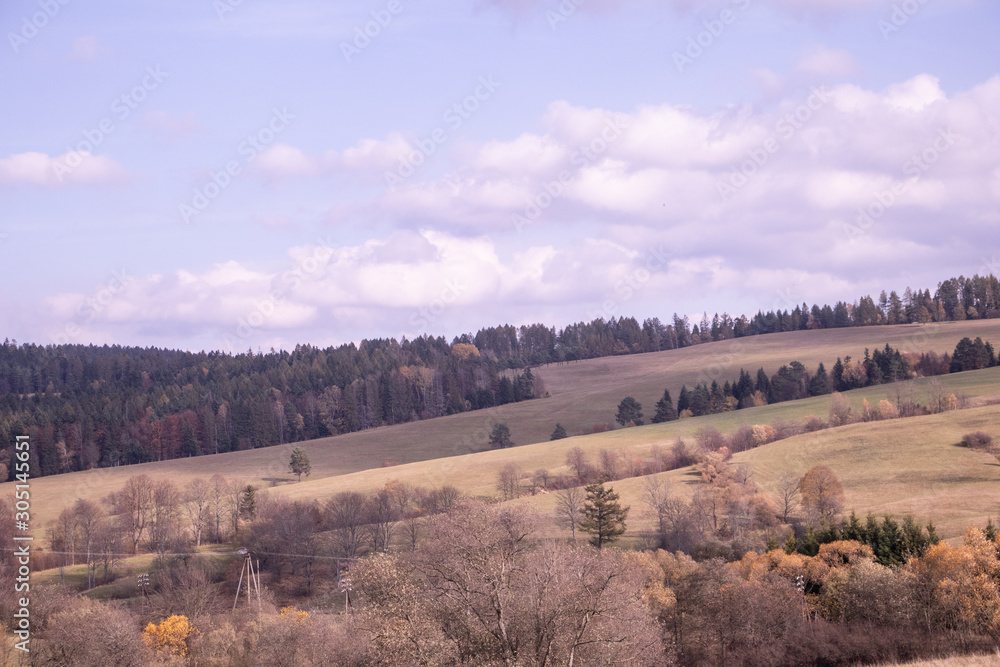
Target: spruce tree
column 559, row 433
column 665, row 411
column 820, row 383
column 603, row 515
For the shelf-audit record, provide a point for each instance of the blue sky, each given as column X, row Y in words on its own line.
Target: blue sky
column 230, row 175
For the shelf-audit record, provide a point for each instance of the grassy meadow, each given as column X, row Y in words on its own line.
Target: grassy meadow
column 448, row 450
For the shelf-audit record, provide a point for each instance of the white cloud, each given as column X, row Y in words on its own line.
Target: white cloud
column 73, row 168
column 370, row 157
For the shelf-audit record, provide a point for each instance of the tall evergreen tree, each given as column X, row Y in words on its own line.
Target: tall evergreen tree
column 683, row 400
column 629, row 411
column 665, row 411
column 820, row 383
column 603, row 516
column 559, row 433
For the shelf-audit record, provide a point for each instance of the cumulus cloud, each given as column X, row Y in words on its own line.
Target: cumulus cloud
column 370, row 157
column 72, row 168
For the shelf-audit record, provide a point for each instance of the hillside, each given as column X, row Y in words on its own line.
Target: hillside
column 581, row 394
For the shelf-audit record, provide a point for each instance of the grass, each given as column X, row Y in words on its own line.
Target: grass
column 983, row 660
column 582, row 393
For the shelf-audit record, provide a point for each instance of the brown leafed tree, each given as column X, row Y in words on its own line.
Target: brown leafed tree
column 822, row 493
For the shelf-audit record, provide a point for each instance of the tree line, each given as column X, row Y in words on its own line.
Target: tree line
column 96, row 406
column 90, row 406
column 793, row 381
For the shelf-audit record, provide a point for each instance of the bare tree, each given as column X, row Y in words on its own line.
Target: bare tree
column 164, row 530
column 610, row 464
column 577, row 460
column 509, row 481
column 197, row 506
column 218, row 492
column 789, row 486
column 936, row 390
column 133, row 503
column 345, row 516
column 88, row 518
column 569, row 507
column 232, row 502
column 656, row 494
column 381, row 517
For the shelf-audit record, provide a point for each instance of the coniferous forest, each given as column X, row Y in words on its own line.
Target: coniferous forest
column 90, row 406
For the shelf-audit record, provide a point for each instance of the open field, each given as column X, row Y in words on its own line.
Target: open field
column 898, row 466
column 582, row 393
column 986, row 660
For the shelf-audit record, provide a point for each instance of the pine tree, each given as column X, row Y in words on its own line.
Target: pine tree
column 629, row 411
column 559, row 433
column 500, row 437
column 820, row 383
column 683, row 400
column 665, row 411
column 603, row 515
column 248, row 502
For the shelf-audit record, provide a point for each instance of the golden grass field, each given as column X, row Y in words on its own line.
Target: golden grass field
column 985, row 660
column 438, row 451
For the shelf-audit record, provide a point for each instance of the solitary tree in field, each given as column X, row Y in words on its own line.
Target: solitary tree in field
column 629, row 410
column 559, row 433
column 603, row 515
column 500, row 437
column 299, row 463
column 822, row 493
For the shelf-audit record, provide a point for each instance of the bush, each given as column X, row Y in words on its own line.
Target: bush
column 812, row 423
column 977, row 440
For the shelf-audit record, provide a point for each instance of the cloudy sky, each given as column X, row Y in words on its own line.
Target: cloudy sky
column 237, row 174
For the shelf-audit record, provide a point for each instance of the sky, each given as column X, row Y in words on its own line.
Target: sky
column 252, row 174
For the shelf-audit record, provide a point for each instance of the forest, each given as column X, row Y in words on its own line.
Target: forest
column 98, row 406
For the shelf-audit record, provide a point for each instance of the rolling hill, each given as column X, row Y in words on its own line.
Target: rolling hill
column 581, row 393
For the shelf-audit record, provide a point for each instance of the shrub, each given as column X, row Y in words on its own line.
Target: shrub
column 977, row 440
column 886, row 410
column 763, row 434
column 811, row 423
column 170, row 636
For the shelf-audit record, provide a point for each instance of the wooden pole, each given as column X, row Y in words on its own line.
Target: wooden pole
column 240, row 585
